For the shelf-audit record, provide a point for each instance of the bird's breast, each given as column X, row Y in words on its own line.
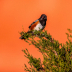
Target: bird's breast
column 38, row 27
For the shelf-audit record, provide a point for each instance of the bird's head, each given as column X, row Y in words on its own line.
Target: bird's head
column 43, row 17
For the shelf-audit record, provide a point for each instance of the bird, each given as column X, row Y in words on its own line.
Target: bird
column 38, row 24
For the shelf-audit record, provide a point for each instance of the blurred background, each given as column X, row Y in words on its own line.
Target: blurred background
column 15, row 13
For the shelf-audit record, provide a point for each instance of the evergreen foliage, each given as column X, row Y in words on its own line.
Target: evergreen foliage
column 57, row 57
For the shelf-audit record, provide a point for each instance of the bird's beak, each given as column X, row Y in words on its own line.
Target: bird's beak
column 45, row 18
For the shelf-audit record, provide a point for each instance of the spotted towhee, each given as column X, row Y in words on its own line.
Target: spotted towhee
column 39, row 24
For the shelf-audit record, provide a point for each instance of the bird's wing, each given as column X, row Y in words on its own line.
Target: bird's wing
column 31, row 27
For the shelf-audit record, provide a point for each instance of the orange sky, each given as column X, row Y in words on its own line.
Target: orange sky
column 15, row 13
